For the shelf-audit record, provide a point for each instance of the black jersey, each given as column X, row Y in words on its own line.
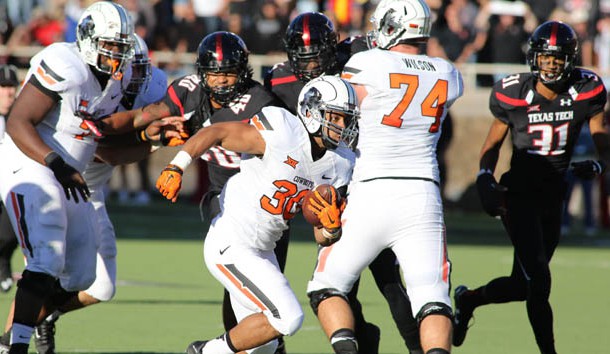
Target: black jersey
column 284, row 84
column 186, row 97
column 544, row 132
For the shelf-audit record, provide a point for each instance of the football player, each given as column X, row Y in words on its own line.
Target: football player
column 222, row 90
column 403, row 99
column 50, row 137
column 544, row 111
column 284, row 157
column 147, row 85
column 312, row 48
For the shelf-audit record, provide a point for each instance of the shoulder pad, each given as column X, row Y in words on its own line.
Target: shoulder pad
column 59, row 67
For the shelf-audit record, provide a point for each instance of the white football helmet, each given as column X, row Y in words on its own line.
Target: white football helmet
column 141, row 69
column 397, row 20
column 101, row 27
column 329, row 94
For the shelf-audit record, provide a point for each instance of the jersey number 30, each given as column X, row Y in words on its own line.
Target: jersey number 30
column 432, row 106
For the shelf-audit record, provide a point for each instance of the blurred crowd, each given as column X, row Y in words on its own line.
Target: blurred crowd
column 480, row 31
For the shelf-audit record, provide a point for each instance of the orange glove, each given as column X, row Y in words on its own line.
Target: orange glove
column 170, row 182
column 174, row 141
column 328, row 213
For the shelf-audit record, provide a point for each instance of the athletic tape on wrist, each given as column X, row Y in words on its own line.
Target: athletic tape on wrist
column 182, row 160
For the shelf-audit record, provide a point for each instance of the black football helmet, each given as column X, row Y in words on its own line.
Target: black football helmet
column 311, row 45
column 556, row 39
column 224, row 52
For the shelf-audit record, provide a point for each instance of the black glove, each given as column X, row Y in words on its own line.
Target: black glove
column 67, row 176
column 587, row 169
column 491, row 194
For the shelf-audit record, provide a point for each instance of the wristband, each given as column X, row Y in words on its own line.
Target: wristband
column 141, row 136
column 52, row 159
column 331, row 235
column 484, row 171
column 182, row 160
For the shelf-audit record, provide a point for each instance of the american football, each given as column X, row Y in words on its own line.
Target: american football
column 325, row 192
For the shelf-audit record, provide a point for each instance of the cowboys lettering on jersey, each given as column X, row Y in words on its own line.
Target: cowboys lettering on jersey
column 544, row 132
column 186, row 97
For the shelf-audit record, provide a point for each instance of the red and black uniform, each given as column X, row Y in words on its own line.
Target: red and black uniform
column 282, row 81
column 186, row 97
column 543, row 135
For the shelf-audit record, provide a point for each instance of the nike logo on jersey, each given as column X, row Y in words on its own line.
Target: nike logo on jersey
column 325, row 177
column 224, row 250
column 112, row 97
column 17, row 170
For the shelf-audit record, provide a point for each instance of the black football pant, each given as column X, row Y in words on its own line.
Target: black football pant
column 386, row 272
column 533, row 225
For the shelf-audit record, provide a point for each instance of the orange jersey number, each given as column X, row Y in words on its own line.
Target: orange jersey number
column 432, row 106
column 283, row 200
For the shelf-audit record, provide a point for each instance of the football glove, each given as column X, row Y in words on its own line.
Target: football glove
column 491, row 194
column 68, row 177
column 166, row 141
column 170, row 182
column 328, row 213
column 587, row 169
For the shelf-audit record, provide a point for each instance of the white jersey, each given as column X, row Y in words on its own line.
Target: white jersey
column 257, row 202
column 97, row 174
column 67, row 128
column 2, row 127
column 408, row 98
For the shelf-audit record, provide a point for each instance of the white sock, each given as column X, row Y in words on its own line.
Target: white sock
column 21, row 333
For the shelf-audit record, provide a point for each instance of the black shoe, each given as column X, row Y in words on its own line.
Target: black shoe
column 195, row 347
column 463, row 314
column 368, row 339
column 281, row 346
column 44, row 337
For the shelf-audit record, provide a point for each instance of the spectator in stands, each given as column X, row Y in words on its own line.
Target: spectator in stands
column 267, row 30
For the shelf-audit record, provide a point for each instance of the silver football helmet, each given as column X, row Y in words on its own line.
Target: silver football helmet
column 329, row 94
column 104, row 35
column 141, row 69
column 399, row 20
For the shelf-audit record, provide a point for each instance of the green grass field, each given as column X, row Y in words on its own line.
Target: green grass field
column 166, row 298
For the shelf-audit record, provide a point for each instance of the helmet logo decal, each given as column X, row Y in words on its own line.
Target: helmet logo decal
column 86, row 27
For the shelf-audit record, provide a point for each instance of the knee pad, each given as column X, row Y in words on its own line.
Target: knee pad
column 39, row 284
column 316, row 297
column 434, row 308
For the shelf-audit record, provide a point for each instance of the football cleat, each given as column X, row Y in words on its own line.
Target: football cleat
column 196, row 346
column 44, row 336
column 463, row 314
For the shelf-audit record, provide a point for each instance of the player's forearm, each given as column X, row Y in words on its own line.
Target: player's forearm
column 119, row 122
